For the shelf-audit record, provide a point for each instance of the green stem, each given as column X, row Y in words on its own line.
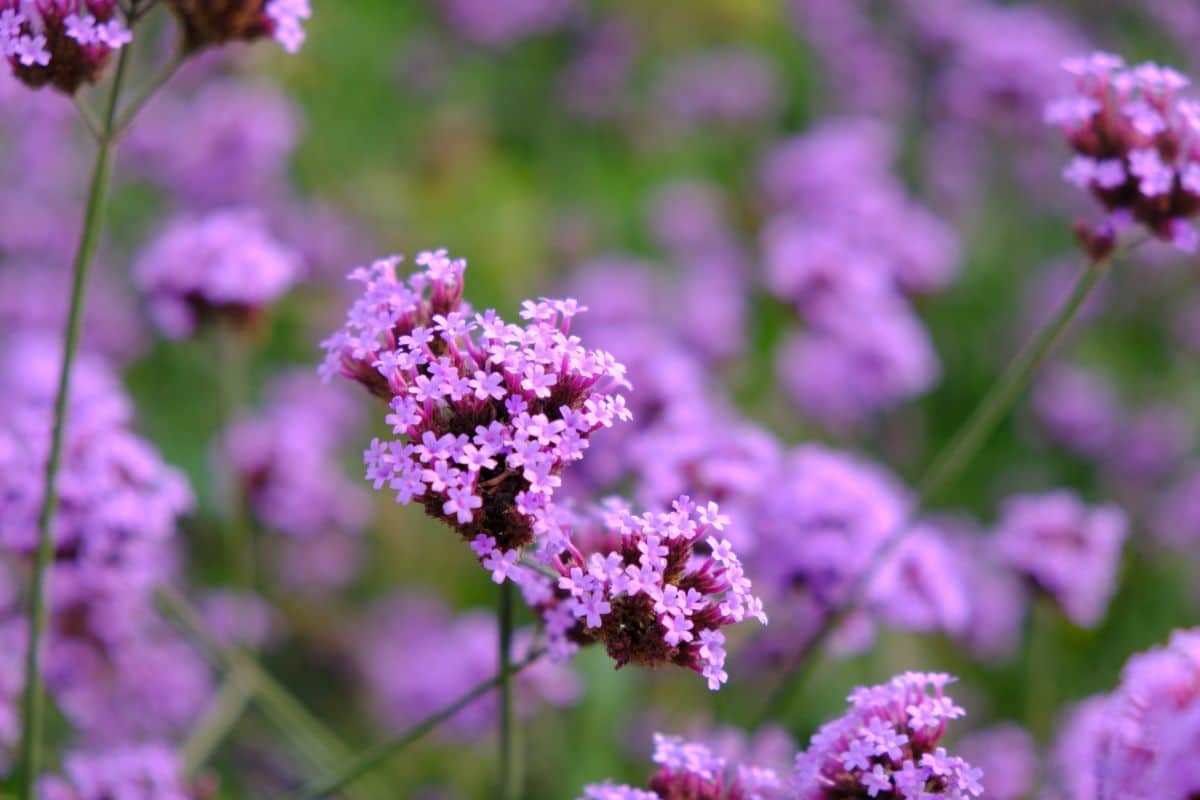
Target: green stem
column 510, row 788
column 945, row 468
column 218, row 721
column 143, row 96
column 33, row 702
column 318, row 745
column 383, row 751
column 230, row 363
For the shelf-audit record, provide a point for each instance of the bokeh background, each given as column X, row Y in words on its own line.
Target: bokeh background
column 549, row 151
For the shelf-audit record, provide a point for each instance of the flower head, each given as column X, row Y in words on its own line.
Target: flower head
column 60, row 43
column 133, row 771
column 486, row 414
column 223, row 265
column 888, row 745
column 1136, row 147
column 655, row 589
column 1068, row 550
column 688, row 769
column 216, row 22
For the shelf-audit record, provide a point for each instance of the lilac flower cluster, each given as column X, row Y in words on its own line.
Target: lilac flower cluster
column 693, row 770
column 731, row 88
column 119, row 501
column 887, row 746
column 1008, row 757
column 867, row 73
column 1065, row 548
column 224, row 265
column 417, row 657
column 61, row 43
column 206, row 23
column 488, row 413
column 114, row 670
column 846, row 247
column 818, row 528
column 226, row 144
column 1134, row 139
column 1139, row 742
column 287, row 467
column 502, row 25
column 655, row 588
column 136, row 772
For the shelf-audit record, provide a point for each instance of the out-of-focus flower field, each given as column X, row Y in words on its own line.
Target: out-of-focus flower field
column 303, row 500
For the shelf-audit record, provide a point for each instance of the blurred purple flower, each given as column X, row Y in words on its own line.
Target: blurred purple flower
column 1008, row 757
column 1150, row 729
column 1077, row 409
column 223, row 265
column 1067, row 549
column 1175, row 520
column 226, row 144
column 867, row 72
column 593, row 85
column 500, row 25
column 1131, row 133
column 730, row 88
column 134, row 772
column 417, row 657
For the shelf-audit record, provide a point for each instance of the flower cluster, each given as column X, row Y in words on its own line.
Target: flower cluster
column 1008, row 756
column 206, row 23
column 225, row 265
column 227, row 143
column 286, row 462
column 887, row 746
column 417, row 657
column 846, row 248
column 1068, row 550
column 113, row 669
column 487, row 413
column 1139, row 742
column 819, row 527
column 61, row 43
column 656, row 589
column 689, row 769
column 119, row 501
column 501, row 25
column 1135, row 142
column 731, row 87
column 136, row 771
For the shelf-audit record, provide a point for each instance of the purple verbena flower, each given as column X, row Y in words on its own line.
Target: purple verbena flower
column 654, row 589
column 417, row 657
column 207, row 24
column 1135, row 143
column 486, row 413
column 60, row 43
column 223, row 265
column 134, row 772
column 688, row 769
column 888, row 745
column 1008, row 756
column 1067, row 549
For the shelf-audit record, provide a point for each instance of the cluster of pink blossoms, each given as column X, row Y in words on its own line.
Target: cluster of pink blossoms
column 225, row 264
column 1137, row 149
column 64, row 43
column 206, row 23
column 135, row 771
column 692, row 770
column 486, row 413
column 654, row 588
column 886, row 746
